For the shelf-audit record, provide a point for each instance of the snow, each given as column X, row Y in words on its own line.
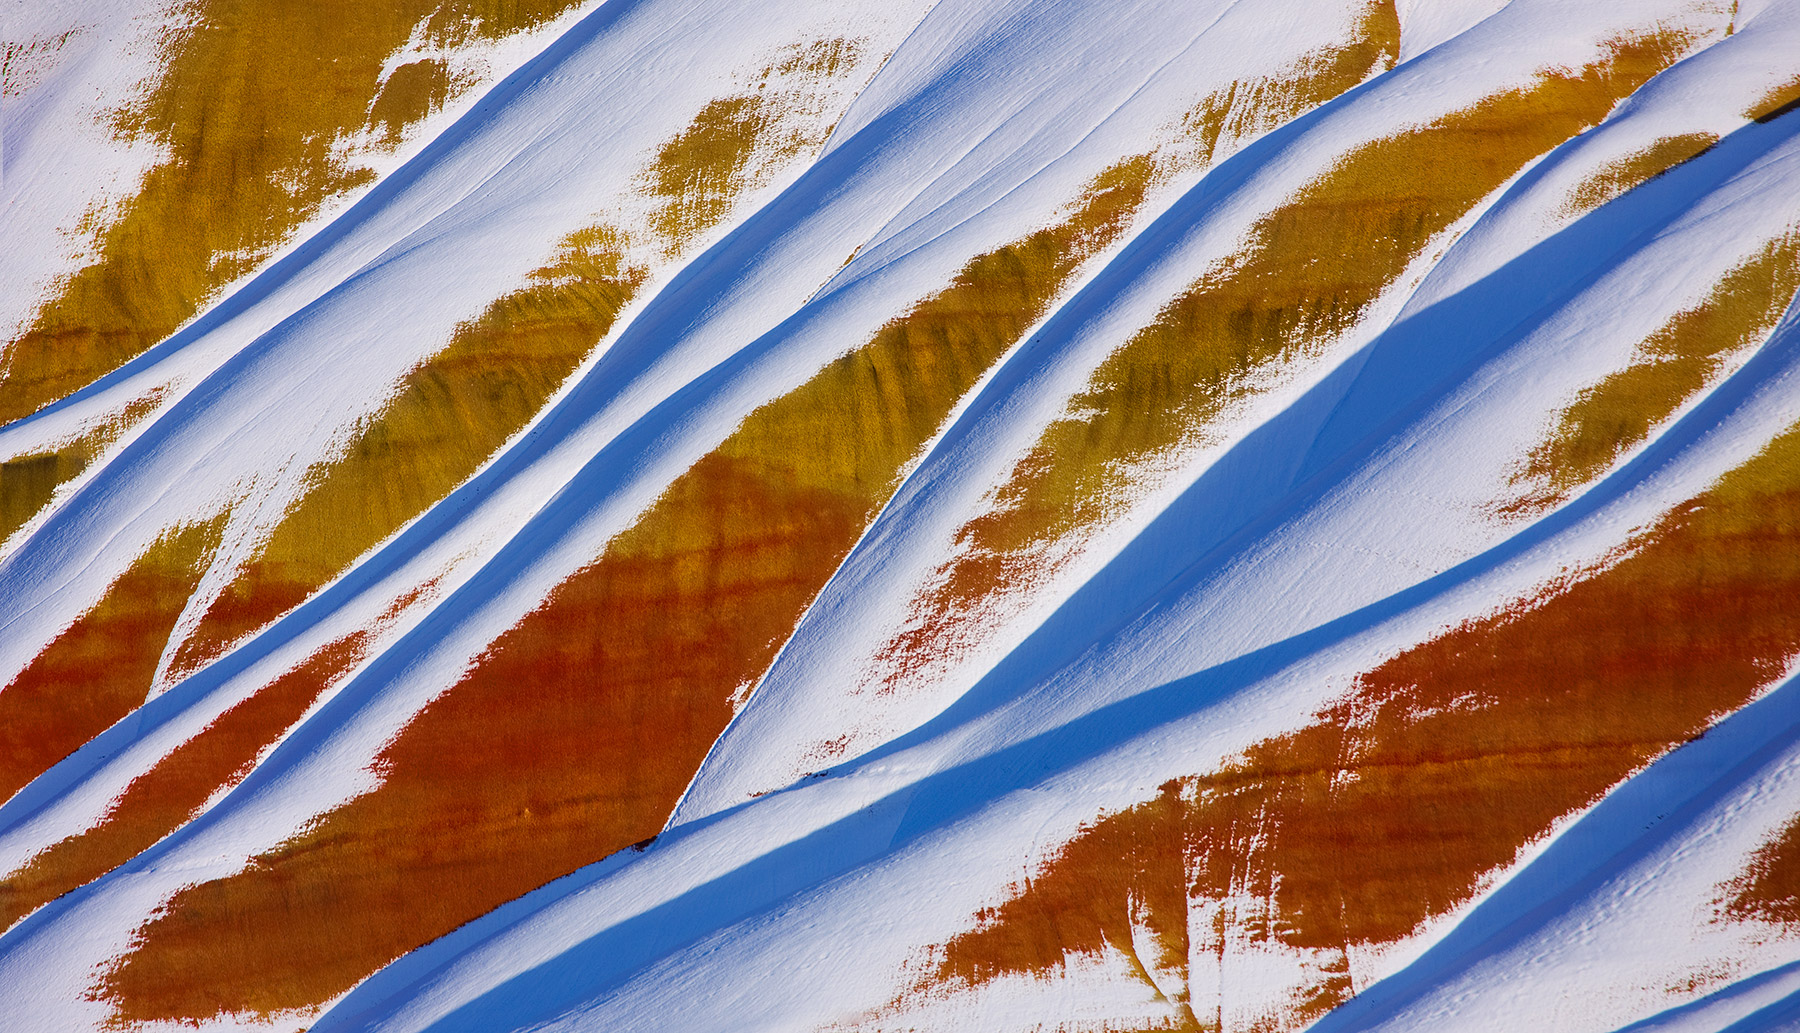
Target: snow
column 71, row 64
column 1357, row 491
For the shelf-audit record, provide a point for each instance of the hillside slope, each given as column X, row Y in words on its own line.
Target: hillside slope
column 909, row 515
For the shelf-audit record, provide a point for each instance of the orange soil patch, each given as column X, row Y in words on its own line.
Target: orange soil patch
column 575, row 733
column 1769, row 887
column 160, row 800
column 253, row 97
column 100, row 668
column 1438, row 768
column 1673, row 364
column 1311, row 269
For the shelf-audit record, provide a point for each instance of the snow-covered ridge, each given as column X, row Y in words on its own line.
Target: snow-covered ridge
column 963, row 431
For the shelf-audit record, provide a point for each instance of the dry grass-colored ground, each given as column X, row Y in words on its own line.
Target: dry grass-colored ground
column 1673, row 364
column 252, row 97
column 1311, row 270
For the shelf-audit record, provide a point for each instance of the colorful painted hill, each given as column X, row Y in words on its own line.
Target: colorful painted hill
column 848, row 517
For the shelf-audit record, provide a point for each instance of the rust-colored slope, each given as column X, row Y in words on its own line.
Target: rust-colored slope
column 1310, row 270
column 1672, row 364
column 168, row 794
column 1769, row 887
column 575, row 734
column 1440, row 765
column 100, row 668
column 254, row 95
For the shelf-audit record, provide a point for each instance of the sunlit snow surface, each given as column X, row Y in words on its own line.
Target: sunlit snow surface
column 854, row 516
